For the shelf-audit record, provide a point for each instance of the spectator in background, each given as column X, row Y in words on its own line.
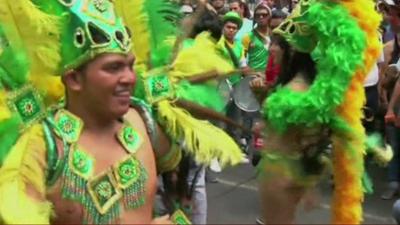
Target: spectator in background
column 279, row 52
column 371, row 91
column 388, row 34
column 278, row 49
column 256, row 42
column 270, row 3
column 219, row 6
column 233, row 51
column 276, row 19
column 242, row 9
column 392, row 49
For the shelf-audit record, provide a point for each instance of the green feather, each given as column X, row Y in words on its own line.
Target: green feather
column 9, row 134
column 205, row 95
column 163, row 22
column 14, row 64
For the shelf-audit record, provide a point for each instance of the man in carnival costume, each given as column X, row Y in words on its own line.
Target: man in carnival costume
column 335, row 44
column 88, row 159
column 91, row 159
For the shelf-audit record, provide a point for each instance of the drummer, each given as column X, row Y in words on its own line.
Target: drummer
column 233, row 51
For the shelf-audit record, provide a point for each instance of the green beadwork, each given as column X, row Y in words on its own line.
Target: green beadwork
column 100, row 195
column 129, row 138
column 27, row 104
column 129, row 172
column 69, row 126
column 131, row 177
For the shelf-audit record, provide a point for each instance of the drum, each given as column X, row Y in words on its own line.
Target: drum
column 244, row 97
column 225, row 89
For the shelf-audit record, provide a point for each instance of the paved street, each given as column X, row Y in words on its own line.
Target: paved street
column 234, row 200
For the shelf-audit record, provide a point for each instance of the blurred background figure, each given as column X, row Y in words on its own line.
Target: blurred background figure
column 242, row 9
column 220, row 7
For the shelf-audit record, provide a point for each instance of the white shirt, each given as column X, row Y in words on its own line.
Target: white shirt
column 373, row 76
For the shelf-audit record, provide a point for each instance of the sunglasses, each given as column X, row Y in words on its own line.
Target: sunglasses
column 261, row 15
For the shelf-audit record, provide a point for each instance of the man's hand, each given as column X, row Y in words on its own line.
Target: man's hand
column 257, row 83
column 390, row 117
column 247, row 71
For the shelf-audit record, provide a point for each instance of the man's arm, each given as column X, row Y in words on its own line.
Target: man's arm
column 390, row 115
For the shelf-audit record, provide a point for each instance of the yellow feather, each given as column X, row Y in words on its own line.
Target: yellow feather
column 200, row 58
column 202, row 139
column 36, row 33
column 23, row 170
column 4, row 111
column 136, row 20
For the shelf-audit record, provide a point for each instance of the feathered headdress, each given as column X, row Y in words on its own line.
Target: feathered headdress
column 343, row 38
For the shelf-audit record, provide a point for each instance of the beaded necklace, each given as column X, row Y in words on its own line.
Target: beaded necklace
column 101, row 195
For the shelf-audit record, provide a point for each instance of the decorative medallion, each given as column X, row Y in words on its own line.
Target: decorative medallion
column 129, row 138
column 178, row 217
column 127, row 172
column 27, row 104
column 104, row 192
column 68, row 125
column 158, row 87
column 81, row 163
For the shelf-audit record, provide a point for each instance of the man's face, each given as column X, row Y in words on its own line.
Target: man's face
column 218, row 4
column 235, row 7
column 275, row 22
column 270, row 3
column 107, row 82
column 261, row 16
column 230, row 30
column 394, row 18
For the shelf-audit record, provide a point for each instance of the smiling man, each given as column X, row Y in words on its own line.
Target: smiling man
column 91, row 160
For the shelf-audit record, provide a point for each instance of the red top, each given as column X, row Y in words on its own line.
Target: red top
column 272, row 71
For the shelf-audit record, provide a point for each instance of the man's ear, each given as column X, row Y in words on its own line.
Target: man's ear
column 73, row 80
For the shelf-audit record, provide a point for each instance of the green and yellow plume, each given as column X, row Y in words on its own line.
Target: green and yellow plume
column 28, row 57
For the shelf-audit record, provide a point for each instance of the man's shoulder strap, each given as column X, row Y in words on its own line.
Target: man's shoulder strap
column 146, row 112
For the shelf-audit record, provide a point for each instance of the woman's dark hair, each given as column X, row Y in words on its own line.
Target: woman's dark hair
column 285, row 46
column 244, row 6
column 299, row 62
column 208, row 21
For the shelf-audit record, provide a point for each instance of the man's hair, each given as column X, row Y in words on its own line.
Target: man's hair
column 243, row 5
column 278, row 14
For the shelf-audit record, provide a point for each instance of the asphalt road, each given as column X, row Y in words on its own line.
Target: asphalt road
column 235, row 200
